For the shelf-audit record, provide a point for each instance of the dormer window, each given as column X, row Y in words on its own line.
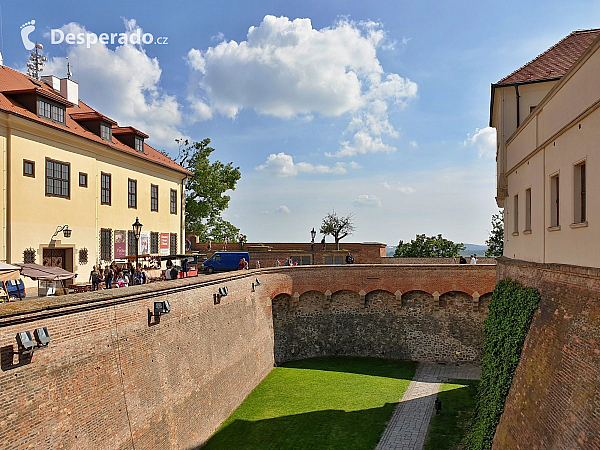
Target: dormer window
column 52, row 112
column 105, row 132
column 44, row 109
column 139, row 144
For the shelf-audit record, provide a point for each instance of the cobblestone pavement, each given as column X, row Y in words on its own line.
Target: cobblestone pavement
column 408, row 426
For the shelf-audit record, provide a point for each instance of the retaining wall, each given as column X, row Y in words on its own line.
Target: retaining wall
column 554, row 401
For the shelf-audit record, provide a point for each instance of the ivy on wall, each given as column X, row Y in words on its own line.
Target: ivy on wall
column 510, row 313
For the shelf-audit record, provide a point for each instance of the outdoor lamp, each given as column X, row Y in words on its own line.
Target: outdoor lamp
column 313, row 233
column 162, row 308
column 65, row 231
column 137, row 228
column 42, row 336
column 25, row 342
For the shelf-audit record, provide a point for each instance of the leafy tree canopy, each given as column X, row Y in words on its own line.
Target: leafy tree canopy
column 495, row 242
column 338, row 227
column 205, row 191
column 428, row 247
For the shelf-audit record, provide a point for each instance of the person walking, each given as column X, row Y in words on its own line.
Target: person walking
column 474, row 259
column 94, row 278
column 108, row 275
column 242, row 264
column 225, row 244
column 349, row 259
column 209, row 246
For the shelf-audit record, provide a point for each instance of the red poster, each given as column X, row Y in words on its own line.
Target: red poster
column 120, row 244
column 164, row 243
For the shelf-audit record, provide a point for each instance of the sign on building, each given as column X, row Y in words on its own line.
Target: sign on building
column 120, row 244
column 164, row 243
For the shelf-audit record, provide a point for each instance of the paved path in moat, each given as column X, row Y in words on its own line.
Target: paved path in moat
column 408, row 426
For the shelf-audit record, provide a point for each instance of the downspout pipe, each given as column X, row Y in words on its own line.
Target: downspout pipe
column 518, row 105
column 9, row 191
column 182, row 218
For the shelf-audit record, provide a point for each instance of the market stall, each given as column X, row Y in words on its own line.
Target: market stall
column 51, row 280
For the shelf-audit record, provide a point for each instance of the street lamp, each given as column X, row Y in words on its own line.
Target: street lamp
column 65, row 231
column 137, row 230
column 313, row 233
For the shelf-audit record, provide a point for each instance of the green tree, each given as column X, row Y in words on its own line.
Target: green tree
column 338, row 227
column 428, row 247
column 495, row 242
column 205, row 191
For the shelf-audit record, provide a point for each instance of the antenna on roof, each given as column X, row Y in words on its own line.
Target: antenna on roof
column 36, row 62
column 69, row 74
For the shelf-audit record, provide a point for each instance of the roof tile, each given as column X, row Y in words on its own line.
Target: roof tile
column 555, row 61
column 12, row 81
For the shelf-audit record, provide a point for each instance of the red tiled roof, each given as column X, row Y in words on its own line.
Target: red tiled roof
column 555, row 61
column 91, row 115
column 128, row 130
column 13, row 82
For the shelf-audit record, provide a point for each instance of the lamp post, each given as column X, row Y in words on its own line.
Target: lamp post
column 65, row 231
column 137, row 230
column 313, row 233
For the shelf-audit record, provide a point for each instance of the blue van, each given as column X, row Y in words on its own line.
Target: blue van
column 224, row 261
column 11, row 285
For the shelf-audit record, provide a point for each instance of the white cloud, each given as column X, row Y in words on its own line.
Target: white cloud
column 283, row 165
column 369, row 201
column 123, row 84
column 485, row 140
column 413, row 144
column 283, row 209
column 286, row 68
column 398, row 187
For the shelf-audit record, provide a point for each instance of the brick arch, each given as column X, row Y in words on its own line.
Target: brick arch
column 281, row 305
column 346, row 300
column 310, row 302
column 381, row 299
column 456, row 300
column 416, row 298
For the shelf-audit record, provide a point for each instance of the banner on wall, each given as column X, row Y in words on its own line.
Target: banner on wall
column 145, row 243
column 120, row 244
column 164, row 243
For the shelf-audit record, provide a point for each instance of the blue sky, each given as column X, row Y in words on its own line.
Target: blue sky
column 375, row 108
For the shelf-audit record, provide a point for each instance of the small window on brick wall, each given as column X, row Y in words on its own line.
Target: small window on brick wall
column 29, row 256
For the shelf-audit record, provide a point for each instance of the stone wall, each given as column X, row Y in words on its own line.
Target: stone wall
column 113, row 378
column 554, row 401
column 391, row 260
column 409, row 326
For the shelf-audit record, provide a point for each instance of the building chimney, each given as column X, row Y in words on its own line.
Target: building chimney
column 52, row 81
column 69, row 90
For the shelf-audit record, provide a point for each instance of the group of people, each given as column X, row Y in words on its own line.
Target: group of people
column 114, row 277
column 462, row 260
column 287, row 262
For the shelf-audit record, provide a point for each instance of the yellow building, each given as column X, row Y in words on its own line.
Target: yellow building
column 548, row 127
column 64, row 163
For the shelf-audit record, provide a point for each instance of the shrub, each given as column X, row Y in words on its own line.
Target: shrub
column 510, row 313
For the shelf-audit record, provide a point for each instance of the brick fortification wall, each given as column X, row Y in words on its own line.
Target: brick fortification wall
column 112, row 378
column 390, row 260
column 415, row 313
column 554, row 401
column 109, row 380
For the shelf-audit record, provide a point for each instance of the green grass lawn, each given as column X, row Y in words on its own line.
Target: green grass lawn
column 320, row 403
column 447, row 429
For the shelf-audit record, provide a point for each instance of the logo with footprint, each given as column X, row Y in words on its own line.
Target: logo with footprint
column 26, row 29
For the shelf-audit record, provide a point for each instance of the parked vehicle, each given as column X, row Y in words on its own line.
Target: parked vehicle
column 224, row 261
column 11, row 285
